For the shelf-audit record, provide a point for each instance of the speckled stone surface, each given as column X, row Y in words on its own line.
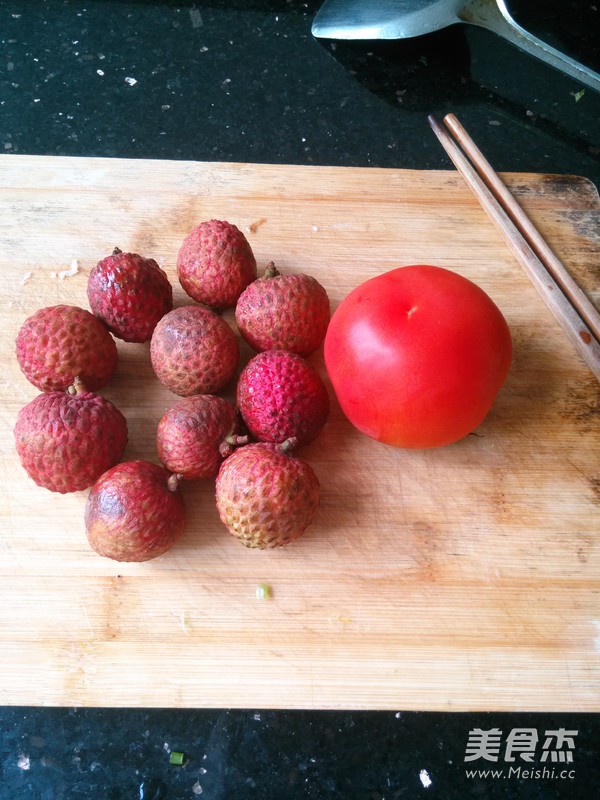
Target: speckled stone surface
column 56, row 754
column 246, row 81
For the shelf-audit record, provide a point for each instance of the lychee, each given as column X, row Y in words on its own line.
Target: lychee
column 194, row 351
column 265, row 496
column 66, row 440
column 195, row 434
column 215, row 264
column 280, row 395
column 134, row 512
column 58, row 343
column 287, row 312
column 129, row 293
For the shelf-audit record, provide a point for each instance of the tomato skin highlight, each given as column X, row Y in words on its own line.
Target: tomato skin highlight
column 417, row 355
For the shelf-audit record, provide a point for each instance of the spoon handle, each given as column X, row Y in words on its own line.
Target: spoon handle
column 494, row 16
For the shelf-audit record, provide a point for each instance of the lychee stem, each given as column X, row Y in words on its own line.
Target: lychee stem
column 173, row 481
column 231, row 441
column 117, row 251
column 288, row 445
column 77, row 387
column 271, row 270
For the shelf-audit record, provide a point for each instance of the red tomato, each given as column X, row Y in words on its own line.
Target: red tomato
column 417, row 355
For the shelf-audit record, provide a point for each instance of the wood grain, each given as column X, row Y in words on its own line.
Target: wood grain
column 462, row 578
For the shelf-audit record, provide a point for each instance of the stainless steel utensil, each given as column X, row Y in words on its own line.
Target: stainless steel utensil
column 403, row 19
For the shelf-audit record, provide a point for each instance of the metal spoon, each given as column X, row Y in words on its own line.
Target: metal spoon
column 403, row 19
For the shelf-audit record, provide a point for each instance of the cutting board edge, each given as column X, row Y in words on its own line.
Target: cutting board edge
column 342, row 168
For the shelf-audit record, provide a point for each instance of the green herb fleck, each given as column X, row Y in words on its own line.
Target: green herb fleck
column 176, row 759
column 263, row 591
column 579, row 95
column 185, row 622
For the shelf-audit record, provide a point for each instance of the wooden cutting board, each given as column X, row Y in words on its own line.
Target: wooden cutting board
column 463, row 578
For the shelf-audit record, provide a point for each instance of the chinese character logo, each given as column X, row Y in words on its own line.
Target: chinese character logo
column 484, row 744
column 520, row 743
column 564, row 744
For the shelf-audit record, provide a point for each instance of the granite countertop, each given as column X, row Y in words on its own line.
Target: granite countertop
column 246, row 81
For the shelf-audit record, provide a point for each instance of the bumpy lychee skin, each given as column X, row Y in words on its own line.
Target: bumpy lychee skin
column 279, row 395
column 66, row 440
column 266, row 497
column 134, row 512
column 129, row 293
column 195, row 434
column 215, row 264
column 58, row 343
column 283, row 312
column 194, row 351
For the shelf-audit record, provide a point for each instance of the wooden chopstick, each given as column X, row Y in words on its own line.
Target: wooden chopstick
column 587, row 311
column 549, row 276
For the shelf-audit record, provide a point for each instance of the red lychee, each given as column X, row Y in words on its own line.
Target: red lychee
column 215, row 264
column 129, row 293
column 195, row 434
column 66, row 440
column 280, row 395
column 194, row 351
column 134, row 512
column 265, row 496
column 283, row 312
column 59, row 343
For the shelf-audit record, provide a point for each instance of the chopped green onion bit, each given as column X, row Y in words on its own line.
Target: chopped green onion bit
column 176, row 759
column 263, row 591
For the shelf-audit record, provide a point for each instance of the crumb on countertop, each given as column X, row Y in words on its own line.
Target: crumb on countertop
column 66, row 273
column 253, row 227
